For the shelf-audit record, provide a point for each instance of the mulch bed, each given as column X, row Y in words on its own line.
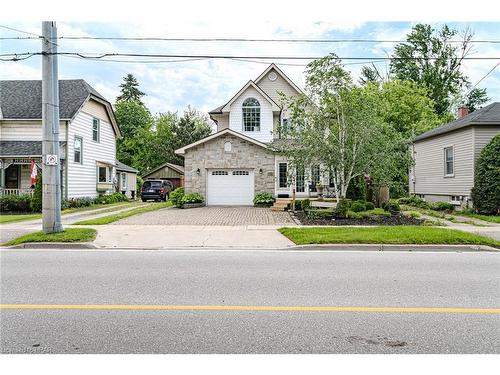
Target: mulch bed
column 397, row 219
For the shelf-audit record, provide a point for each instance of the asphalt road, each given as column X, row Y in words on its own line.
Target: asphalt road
column 259, row 279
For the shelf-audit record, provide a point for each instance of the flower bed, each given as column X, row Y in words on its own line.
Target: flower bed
column 394, row 219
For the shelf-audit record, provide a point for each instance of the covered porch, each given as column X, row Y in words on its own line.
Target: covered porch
column 15, row 166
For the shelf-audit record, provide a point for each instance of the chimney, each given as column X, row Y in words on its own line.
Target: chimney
column 463, row 110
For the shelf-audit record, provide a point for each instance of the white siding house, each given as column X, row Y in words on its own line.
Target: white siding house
column 88, row 133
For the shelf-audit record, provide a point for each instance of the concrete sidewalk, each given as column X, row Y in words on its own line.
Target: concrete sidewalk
column 162, row 236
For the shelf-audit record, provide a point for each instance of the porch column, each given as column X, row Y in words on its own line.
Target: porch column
column 2, row 174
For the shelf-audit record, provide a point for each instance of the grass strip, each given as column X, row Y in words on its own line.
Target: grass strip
column 399, row 235
column 12, row 218
column 68, row 235
column 122, row 215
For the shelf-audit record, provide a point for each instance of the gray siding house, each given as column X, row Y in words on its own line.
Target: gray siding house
column 445, row 157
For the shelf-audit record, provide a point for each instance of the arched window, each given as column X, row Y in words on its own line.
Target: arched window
column 251, row 115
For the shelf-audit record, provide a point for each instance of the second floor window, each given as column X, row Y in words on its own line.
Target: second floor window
column 251, row 115
column 449, row 167
column 95, row 130
column 77, row 150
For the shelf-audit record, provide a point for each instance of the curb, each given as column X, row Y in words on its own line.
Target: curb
column 388, row 247
column 314, row 247
column 53, row 245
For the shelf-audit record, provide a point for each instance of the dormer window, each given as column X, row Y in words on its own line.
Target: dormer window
column 251, row 115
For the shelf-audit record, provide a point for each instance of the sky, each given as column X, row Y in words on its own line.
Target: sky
column 206, row 84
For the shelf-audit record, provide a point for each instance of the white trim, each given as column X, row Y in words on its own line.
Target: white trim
column 275, row 106
column 444, row 161
column 182, row 150
column 283, row 75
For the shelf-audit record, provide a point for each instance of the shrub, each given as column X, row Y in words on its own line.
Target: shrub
column 176, row 197
column 302, row 205
column 79, row 202
column 365, row 214
column 391, row 205
column 138, row 184
column 442, row 206
column 355, row 215
column 414, row 201
column 342, row 207
column 36, row 199
column 358, row 206
column 486, row 190
column 415, row 214
column 320, row 213
column 111, row 198
column 369, row 206
column 263, row 198
column 192, row 198
column 15, row 203
column 357, row 188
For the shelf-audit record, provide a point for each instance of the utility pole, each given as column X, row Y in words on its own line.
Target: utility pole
column 51, row 178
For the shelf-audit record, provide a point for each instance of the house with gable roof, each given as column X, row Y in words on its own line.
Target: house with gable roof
column 88, row 134
column 232, row 165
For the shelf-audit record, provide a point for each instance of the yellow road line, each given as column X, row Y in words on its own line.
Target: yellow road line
column 364, row 309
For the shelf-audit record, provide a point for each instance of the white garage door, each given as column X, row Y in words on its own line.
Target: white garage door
column 230, row 187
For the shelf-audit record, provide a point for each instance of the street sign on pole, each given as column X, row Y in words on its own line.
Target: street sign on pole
column 51, row 177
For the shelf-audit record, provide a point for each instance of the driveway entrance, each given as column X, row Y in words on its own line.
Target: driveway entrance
column 211, row 216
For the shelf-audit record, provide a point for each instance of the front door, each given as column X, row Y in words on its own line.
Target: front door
column 300, row 180
column 12, row 174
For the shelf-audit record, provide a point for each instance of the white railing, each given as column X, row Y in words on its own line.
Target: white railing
column 7, row 191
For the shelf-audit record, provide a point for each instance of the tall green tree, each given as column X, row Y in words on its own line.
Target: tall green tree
column 429, row 58
column 172, row 132
column 340, row 128
column 130, row 90
column 135, row 124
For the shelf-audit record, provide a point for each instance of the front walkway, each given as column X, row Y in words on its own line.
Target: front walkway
column 464, row 223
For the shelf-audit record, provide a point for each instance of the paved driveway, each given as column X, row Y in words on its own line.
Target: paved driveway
column 215, row 215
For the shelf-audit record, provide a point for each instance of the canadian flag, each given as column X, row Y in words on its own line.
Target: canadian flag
column 34, row 172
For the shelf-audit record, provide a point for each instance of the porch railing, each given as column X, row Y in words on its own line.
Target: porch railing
column 7, row 191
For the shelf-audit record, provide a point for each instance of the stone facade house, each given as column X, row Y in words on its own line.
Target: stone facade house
column 445, row 157
column 232, row 165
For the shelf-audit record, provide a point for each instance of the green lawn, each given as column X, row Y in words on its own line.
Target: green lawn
column 12, row 218
column 68, row 235
column 122, row 215
column 385, row 235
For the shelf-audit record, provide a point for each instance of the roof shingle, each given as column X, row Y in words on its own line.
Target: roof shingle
column 23, row 99
column 489, row 115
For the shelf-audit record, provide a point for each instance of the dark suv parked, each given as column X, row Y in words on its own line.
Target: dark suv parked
column 156, row 189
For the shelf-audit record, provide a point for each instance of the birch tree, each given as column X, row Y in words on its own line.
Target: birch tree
column 337, row 127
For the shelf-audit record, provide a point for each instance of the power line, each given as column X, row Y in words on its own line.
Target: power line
column 486, row 75
column 275, row 40
column 271, row 40
column 21, row 31
column 90, row 55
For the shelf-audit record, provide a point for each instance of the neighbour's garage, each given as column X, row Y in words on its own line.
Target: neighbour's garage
column 169, row 172
column 230, row 187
